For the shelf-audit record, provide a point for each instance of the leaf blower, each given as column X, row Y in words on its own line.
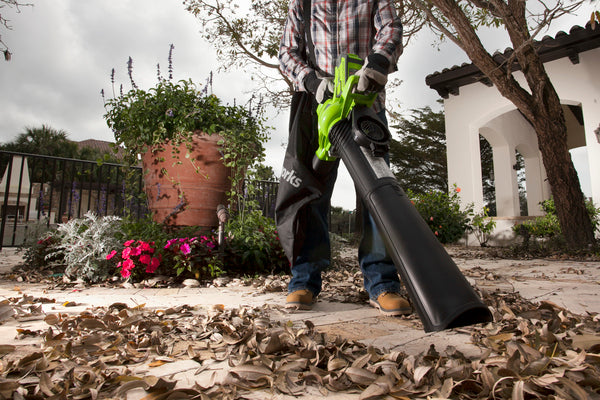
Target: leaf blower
column 350, row 129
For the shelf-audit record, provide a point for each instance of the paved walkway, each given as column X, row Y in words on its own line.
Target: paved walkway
column 574, row 285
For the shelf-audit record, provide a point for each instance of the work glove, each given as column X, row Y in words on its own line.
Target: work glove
column 373, row 74
column 321, row 88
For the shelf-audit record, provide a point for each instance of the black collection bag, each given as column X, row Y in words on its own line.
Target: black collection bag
column 298, row 184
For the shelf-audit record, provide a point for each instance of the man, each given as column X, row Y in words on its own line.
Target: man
column 316, row 33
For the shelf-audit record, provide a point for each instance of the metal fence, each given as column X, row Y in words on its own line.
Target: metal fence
column 37, row 192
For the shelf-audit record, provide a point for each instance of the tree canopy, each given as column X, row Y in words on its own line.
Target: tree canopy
column 418, row 158
column 48, row 141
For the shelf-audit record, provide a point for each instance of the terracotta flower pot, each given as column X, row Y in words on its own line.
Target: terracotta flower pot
column 186, row 189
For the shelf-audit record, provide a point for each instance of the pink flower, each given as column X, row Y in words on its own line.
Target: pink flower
column 153, row 265
column 431, row 218
column 129, row 243
column 111, row 254
column 126, row 253
column 436, row 233
column 144, row 246
column 185, row 249
column 136, row 251
column 145, row 259
column 127, row 267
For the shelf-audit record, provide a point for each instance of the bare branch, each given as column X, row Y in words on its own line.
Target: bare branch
column 426, row 8
column 6, row 23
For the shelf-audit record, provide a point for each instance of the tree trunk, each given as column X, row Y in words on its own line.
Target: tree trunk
column 549, row 124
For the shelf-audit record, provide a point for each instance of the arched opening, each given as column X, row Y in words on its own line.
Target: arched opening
column 519, row 166
column 487, row 175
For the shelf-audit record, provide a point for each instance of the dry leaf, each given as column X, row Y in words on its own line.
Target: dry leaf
column 360, row 375
column 380, row 387
column 420, row 373
column 585, row 342
column 251, row 372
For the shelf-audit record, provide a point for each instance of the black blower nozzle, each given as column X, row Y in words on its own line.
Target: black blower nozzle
column 442, row 296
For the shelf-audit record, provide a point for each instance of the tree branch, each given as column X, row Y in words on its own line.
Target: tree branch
column 5, row 22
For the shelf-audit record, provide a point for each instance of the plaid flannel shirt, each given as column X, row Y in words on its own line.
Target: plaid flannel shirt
column 338, row 27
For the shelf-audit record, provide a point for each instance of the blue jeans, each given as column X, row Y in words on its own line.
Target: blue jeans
column 379, row 272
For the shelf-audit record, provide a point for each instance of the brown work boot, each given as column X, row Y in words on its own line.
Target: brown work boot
column 300, row 300
column 391, row 304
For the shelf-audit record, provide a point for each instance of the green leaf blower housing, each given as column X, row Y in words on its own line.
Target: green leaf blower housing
column 350, row 129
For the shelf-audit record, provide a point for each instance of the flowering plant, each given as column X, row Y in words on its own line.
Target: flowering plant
column 172, row 112
column 443, row 213
column 137, row 253
column 197, row 255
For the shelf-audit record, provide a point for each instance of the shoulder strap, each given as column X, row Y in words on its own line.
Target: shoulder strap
column 311, row 47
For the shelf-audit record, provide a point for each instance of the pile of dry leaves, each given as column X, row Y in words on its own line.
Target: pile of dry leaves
column 532, row 351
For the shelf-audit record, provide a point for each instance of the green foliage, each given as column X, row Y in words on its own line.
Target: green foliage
column 418, row 159
column 39, row 255
column 45, row 141
column 253, row 245
column 442, row 212
column 83, row 244
column 198, row 256
column 172, row 112
column 482, row 226
column 548, row 227
column 264, row 173
column 343, row 223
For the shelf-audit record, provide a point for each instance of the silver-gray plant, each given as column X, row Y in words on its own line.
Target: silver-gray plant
column 84, row 244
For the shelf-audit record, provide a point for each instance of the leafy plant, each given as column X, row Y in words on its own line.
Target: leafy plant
column 442, row 212
column 196, row 255
column 547, row 227
column 252, row 245
column 37, row 254
column 482, row 226
column 82, row 245
column 171, row 112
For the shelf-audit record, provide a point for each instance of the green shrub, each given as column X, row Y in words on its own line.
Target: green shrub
column 548, row 226
column 442, row 212
column 253, row 245
column 196, row 256
column 482, row 226
column 39, row 254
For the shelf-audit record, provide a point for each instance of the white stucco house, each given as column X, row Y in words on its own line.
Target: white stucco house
column 473, row 107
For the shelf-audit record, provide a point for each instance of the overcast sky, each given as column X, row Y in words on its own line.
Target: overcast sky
column 64, row 50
